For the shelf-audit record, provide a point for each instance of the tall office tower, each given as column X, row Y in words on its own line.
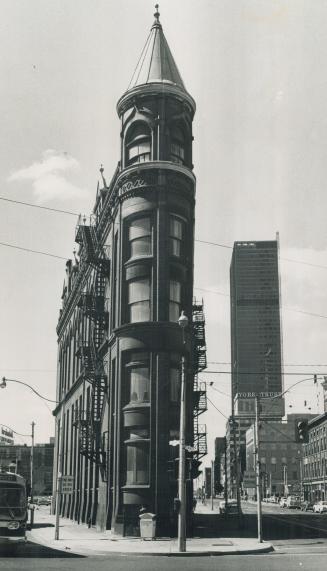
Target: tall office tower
column 256, row 348
column 119, row 342
column 256, row 351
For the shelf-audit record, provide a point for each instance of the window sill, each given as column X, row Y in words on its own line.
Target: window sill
column 136, row 486
column 137, row 441
column 133, row 406
column 134, row 259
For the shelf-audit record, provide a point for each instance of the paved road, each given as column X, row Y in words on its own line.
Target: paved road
column 283, row 523
column 299, row 539
column 49, row 560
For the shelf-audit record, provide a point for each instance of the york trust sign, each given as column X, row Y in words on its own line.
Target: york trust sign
column 253, row 395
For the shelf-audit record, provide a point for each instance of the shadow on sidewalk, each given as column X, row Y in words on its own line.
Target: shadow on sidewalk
column 30, row 549
column 42, row 525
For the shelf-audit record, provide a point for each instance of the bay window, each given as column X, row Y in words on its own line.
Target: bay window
column 176, row 231
column 177, row 146
column 139, row 300
column 138, row 383
column 137, row 463
column 175, row 299
column 138, row 144
column 139, row 237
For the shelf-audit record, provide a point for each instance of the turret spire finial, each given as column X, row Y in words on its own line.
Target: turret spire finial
column 156, row 23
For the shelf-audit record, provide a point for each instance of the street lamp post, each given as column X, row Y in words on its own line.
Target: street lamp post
column 257, row 465
column 32, row 472
column 60, row 440
column 183, row 323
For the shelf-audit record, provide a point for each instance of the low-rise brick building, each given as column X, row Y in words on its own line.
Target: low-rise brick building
column 18, row 457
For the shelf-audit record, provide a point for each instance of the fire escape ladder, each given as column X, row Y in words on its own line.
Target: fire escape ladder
column 200, row 439
column 91, row 250
column 199, row 340
column 199, row 389
column 92, row 304
column 86, row 237
column 81, row 421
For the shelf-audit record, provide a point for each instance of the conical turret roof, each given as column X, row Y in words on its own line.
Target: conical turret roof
column 156, row 63
column 156, row 70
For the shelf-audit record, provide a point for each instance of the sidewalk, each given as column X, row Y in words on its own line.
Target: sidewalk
column 81, row 540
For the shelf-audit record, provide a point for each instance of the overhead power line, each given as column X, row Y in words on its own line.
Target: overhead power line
column 217, row 408
column 32, row 251
column 38, row 206
column 283, row 307
column 283, row 374
column 285, row 365
column 208, row 242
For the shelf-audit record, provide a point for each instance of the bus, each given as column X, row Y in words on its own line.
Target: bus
column 13, row 507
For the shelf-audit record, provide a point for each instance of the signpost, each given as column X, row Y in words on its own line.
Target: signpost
column 67, row 484
column 249, row 479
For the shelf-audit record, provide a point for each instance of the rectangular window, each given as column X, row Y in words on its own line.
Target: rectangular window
column 175, row 298
column 139, row 380
column 139, row 236
column 137, row 464
column 139, row 300
column 176, row 231
column 139, row 152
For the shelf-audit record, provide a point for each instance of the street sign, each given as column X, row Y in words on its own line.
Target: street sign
column 67, row 484
column 249, row 479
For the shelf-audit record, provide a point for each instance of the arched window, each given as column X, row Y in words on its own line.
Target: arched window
column 177, row 146
column 138, row 144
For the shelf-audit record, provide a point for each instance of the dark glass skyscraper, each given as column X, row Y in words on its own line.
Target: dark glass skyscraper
column 256, row 350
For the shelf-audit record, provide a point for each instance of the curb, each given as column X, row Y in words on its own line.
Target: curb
column 205, row 553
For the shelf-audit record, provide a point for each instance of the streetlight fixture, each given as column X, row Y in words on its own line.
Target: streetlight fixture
column 183, row 323
column 4, row 382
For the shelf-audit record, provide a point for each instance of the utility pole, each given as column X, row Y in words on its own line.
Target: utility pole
column 237, row 471
column 285, row 480
column 257, row 466
column 183, row 323
column 212, row 482
column 32, row 473
column 181, row 479
column 59, row 469
column 225, row 482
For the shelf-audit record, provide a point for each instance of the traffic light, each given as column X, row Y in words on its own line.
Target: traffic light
column 301, row 431
column 193, row 468
column 177, row 505
column 173, row 469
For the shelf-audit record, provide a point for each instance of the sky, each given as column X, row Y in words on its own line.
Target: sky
column 256, row 71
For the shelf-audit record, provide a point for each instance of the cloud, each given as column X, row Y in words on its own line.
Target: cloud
column 48, row 179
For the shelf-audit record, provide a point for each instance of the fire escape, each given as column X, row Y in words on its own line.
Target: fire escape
column 92, row 305
column 199, row 389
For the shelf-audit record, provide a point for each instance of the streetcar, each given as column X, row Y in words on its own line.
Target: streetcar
column 13, row 507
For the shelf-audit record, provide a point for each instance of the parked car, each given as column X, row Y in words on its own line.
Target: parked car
column 282, row 502
column 43, row 501
column 320, row 507
column 293, row 502
column 306, row 506
column 231, row 507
